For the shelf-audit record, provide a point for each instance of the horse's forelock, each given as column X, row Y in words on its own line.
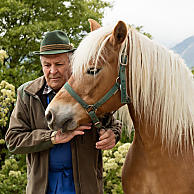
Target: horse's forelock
column 89, row 49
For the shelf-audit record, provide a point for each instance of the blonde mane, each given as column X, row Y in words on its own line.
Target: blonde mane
column 162, row 86
column 89, row 49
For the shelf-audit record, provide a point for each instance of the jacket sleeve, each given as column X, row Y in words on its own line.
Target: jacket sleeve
column 109, row 122
column 20, row 137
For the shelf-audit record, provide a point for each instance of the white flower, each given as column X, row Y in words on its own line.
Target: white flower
column 2, row 141
column 3, row 55
column 7, row 163
column 14, row 173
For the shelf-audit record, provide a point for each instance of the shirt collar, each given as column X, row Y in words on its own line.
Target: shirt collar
column 48, row 90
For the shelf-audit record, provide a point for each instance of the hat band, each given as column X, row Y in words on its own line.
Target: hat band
column 55, row 47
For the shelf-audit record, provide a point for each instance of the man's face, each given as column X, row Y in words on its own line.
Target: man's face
column 56, row 69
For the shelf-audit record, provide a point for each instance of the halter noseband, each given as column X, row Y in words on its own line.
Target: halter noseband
column 119, row 85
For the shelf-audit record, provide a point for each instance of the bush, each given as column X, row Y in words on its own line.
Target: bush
column 113, row 161
column 13, row 176
column 7, row 98
column 3, row 56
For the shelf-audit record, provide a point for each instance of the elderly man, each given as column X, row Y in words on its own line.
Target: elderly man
column 57, row 162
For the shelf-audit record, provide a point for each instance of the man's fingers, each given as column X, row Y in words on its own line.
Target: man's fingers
column 107, row 134
column 67, row 136
column 105, row 146
column 107, row 140
column 105, row 143
column 102, row 142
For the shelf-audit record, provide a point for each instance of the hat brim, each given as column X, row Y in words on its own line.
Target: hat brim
column 53, row 52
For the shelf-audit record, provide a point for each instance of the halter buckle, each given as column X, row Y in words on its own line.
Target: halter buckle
column 124, row 59
column 118, row 80
column 90, row 108
column 97, row 124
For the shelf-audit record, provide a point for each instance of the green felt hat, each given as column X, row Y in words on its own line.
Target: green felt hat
column 55, row 42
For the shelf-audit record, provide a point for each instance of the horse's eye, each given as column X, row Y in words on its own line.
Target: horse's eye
column 93, row 71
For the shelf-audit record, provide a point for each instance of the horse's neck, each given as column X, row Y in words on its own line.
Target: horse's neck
column 145, row 132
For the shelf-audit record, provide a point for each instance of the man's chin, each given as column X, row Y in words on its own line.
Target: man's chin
column 55, row 86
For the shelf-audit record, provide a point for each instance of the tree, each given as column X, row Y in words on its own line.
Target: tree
column 140, row 29
column 24, row 22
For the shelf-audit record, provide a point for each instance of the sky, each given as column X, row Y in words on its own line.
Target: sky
column 168, row 21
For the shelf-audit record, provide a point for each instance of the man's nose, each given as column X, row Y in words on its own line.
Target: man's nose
column 53, row 70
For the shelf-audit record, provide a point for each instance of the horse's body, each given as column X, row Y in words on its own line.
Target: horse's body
column 151, row 169
column 161, row 88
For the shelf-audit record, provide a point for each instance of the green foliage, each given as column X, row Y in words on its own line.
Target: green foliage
column 140, row 29
column 3, row 56
column 12, row 167
column 125, row 136
column 23, row 23
column 7, row 98
column 13, row 177
column 113, row 161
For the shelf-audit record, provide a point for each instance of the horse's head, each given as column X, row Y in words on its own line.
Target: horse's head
column 95, row 71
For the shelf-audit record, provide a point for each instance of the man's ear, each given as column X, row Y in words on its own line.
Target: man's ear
column 119, row 34
column 94, row 25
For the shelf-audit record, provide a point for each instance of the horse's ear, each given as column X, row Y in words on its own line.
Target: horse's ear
column 94, row 25
column 119, row 33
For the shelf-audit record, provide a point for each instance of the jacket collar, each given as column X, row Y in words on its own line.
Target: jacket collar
column 35, row 86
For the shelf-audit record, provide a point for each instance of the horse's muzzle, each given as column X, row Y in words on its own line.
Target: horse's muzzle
column 63, row 122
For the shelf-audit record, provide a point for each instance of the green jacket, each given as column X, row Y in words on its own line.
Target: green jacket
column 29, row 134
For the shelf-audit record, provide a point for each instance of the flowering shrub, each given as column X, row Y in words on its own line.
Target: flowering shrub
column 12, row 167
column 113, row 161
column 7, row 98
column 13, row 178
column 3, row 56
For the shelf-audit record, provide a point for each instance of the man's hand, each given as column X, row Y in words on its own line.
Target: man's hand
column 67, row 136
column 107, row 140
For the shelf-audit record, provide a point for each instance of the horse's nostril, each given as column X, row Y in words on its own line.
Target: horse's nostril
column 49, row 117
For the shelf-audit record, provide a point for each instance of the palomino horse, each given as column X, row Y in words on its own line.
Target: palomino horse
column 161, row 90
